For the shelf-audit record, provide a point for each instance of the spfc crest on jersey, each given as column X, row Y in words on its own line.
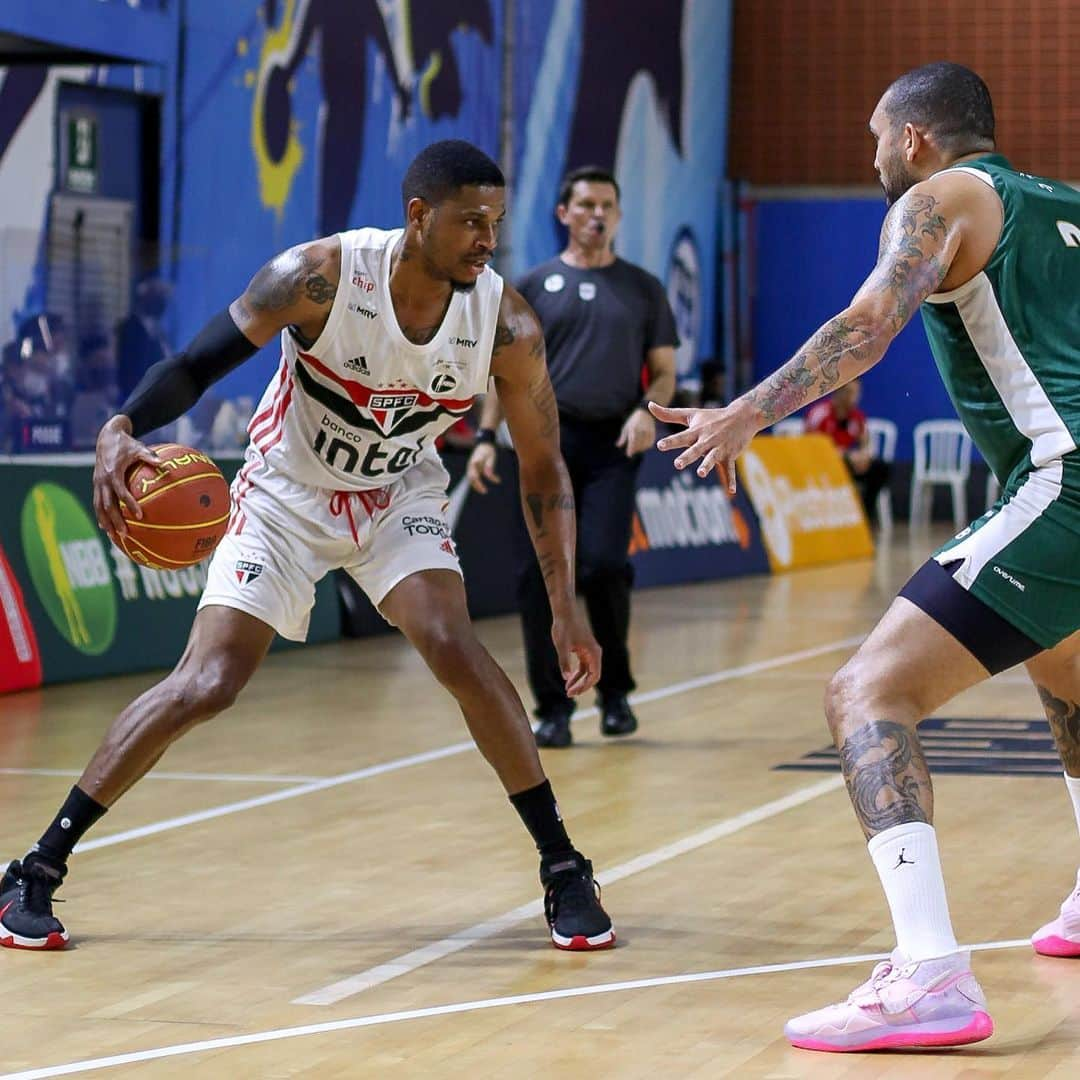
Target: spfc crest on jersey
column 389, row 407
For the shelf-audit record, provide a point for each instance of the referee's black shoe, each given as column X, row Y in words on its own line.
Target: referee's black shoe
column 616, row 717
column 554, row 728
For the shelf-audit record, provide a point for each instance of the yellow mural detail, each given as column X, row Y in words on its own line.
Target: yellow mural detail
column 397, row 14
column 45, row 516
column 431, row 73
column 275, row 177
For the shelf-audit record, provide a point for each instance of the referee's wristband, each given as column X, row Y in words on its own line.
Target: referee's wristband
column 485, row 436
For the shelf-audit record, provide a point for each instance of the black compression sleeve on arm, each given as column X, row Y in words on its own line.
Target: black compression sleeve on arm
column 171, row 387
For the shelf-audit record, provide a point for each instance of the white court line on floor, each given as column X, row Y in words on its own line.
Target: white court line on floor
column 230, row 778
column 274, row 797
column 448, row 751
column 463, row 939
column 379, row 1019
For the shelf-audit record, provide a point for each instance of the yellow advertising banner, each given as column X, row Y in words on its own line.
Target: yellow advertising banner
column 808, row 507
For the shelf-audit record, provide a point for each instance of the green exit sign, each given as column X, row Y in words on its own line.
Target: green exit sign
column 82, row 154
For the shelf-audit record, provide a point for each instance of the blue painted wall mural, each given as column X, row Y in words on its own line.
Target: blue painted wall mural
column 647, row 94
column 287, row 119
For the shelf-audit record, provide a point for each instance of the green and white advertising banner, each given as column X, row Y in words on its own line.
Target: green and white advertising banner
column 81, row 606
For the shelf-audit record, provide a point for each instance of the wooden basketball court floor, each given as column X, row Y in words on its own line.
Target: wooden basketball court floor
column 329, row 882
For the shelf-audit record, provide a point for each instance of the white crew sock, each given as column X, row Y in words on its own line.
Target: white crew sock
column 1073, row 784
column 906, row 859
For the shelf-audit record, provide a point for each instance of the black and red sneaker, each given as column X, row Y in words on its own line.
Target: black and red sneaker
column 26, row 918
column 572, row 904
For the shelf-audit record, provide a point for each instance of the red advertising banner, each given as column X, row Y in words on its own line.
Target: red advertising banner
column 20, row 660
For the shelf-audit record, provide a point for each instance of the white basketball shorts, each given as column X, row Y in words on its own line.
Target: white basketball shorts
column 285, row 536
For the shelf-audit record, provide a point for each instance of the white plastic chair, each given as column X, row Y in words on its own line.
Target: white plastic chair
column 882, row 434
column 942, row 456
column 793, row 425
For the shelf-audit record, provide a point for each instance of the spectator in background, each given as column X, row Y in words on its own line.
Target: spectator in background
column 140, row 340
column 605, row 321
column 95, row 391
column 39, row 388
column 33, row 386
column 840, row 417
column 9, row 367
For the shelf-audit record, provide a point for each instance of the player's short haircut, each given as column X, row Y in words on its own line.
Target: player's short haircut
column 948, row 100
column 590, row 173
column 443, row 167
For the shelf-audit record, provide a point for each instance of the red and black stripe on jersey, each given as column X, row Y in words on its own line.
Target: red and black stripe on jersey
column 417, row 410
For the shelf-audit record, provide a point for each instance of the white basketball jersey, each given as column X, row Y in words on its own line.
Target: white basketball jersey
column 364, row 404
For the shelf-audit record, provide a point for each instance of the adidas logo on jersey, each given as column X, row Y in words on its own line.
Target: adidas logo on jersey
column 358, row 364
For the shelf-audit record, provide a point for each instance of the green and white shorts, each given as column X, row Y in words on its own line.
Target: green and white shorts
column 1022, row 557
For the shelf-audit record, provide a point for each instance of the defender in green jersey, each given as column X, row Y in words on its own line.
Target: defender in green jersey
column 992, row 255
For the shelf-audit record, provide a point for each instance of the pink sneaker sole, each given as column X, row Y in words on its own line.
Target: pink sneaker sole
column 1052, row 945
column 933, row 1033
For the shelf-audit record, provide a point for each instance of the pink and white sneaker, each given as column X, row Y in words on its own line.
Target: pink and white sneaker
column 903, row 1003
column 1062, row 936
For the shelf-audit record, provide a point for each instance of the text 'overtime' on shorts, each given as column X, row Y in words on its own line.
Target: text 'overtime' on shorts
column 285, row 536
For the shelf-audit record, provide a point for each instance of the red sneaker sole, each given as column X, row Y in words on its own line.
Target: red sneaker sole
column 580, row 943
column 53, row 941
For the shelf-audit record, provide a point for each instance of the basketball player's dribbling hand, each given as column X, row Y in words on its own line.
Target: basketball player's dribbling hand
column 481, row 468
column 715, row 437
column 117, row 451
column 579, row 654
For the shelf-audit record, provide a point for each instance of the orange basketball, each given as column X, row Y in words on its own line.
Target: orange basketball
column 185, row 505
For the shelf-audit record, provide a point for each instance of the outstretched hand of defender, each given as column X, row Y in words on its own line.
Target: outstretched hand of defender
column 714, row 437
column 117, row 451
column 579, row 654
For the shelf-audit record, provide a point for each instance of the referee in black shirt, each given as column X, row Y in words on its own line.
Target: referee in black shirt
column 606, row 322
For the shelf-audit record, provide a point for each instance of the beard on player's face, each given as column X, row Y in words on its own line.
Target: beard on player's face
column 444, row 266
column 896, row 178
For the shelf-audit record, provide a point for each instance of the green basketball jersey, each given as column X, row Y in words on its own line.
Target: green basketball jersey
column 1007, row 343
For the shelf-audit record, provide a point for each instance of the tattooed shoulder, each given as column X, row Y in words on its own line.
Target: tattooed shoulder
column 504, row 335
column 299, row 273
column 517, row 325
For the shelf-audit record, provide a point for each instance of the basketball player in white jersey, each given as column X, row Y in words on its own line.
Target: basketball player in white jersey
column 385, row 339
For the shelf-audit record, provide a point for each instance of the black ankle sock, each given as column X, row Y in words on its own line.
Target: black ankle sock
column 77, row 814
column 540, row 813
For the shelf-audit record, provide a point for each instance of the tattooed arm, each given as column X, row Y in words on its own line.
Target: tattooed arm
column 296, row 288
column 519, row 369
column 917, row 247
column 919, row 241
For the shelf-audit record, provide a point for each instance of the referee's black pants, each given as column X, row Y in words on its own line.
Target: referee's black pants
column 604, row 481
